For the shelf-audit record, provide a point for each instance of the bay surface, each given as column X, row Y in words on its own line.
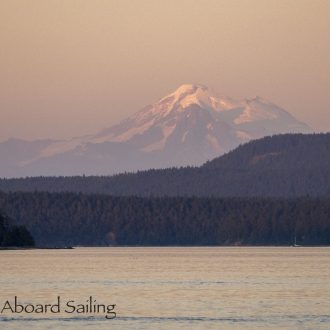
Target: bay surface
column 171, row 288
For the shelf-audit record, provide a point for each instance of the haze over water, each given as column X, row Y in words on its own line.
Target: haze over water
column 173, row 288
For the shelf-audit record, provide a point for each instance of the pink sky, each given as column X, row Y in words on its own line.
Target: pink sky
column 70, row 67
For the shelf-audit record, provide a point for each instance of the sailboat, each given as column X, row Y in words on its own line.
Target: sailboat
column 295, row 241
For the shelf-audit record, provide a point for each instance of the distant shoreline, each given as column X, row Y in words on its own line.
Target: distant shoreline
column 4, row 248
column 162, row 246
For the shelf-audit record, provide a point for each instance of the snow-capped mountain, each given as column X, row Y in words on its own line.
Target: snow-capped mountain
column 187, row 127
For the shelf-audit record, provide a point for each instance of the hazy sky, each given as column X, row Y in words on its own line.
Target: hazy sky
column 72, row 67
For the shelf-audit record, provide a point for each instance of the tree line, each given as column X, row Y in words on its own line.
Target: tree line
column 71, row 219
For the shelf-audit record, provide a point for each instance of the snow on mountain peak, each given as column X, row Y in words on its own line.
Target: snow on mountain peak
column 184, row 93
column 189, row 88
column 195, row 94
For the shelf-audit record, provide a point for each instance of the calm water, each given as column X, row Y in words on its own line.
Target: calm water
column 172, row 288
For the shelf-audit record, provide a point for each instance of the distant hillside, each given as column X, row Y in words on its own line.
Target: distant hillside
column 279, row 166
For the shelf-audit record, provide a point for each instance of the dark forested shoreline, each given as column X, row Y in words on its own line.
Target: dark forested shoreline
column 71, row 219
column 12, row 235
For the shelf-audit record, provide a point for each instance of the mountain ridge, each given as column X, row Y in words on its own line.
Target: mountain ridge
column 186, row 127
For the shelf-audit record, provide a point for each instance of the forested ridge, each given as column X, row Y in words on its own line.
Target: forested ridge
column 62, row 219
column 288, row 165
